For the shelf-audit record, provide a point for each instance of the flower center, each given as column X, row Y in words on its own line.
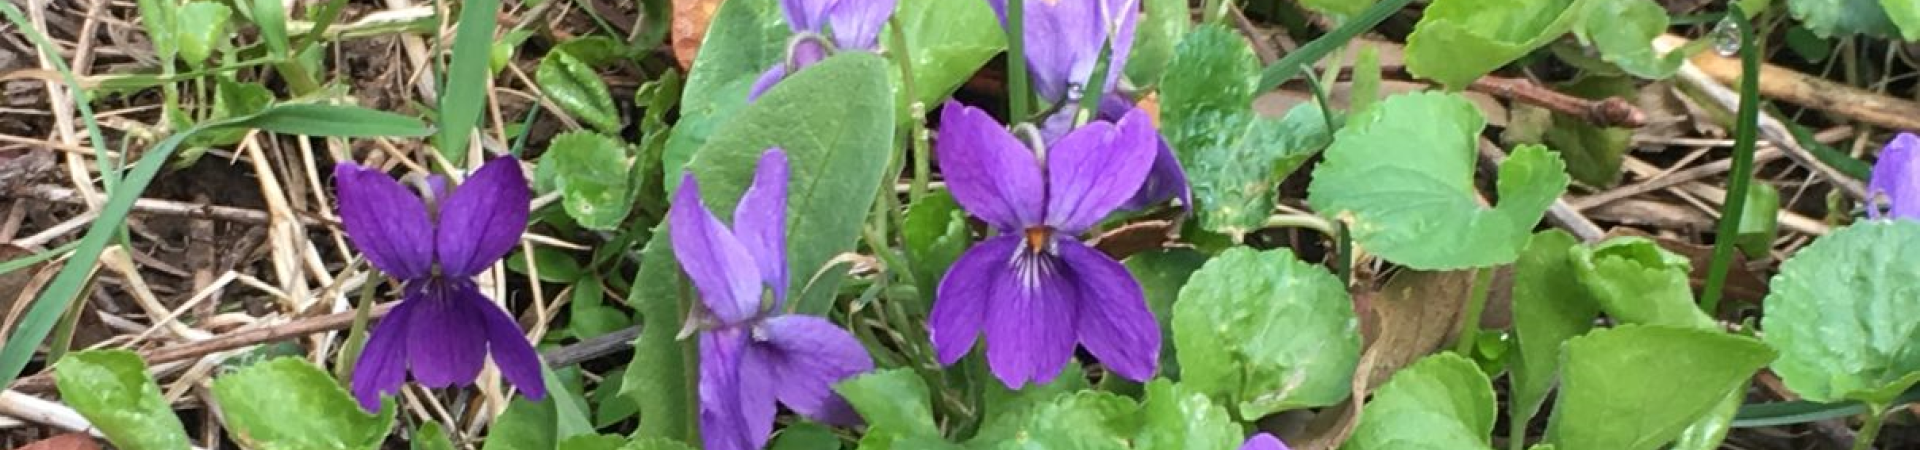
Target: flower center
column 1039, row 239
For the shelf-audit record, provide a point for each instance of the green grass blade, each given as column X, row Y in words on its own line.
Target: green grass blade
column 28, row 261
column 1746, row 127
column 1291, row 65
column 465, row 91
column 67, row 285
column 109, row 169
column 327, row 120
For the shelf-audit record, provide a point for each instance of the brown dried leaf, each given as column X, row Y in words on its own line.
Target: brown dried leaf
column 1413, row 316
column 690, row 21
column 69, row 441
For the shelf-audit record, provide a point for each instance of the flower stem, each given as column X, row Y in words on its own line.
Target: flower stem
column 357, row 335
column 1745, row 129
column 1019, row 95
column 1476, row 302
column 1308, row 221
column 1864, row 440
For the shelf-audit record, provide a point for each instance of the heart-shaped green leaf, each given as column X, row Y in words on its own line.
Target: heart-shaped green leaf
column 112, row 390
column 258, row 400
column 1636, row 281
column 1266, row 332
column 1401, row 173
column 948, row 42
column 1177, row 418
column 590, row 171
column 1841, row 313
column 1624, row 36
column 1636, row 387
column 1233, row 157
column 1442, row 402
column 1457, row 41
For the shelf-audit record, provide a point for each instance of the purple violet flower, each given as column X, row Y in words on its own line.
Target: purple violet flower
column 1035, row 290
column 1897, row 176
column 444, row 327
column 750, row 356
column 1064, row 40
column 856, row 26
column 1165, row 181
column 1263, row 441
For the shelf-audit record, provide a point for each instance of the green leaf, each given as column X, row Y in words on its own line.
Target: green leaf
column 588, row 316
column 527, row 425
column 271, row 17
column 1160, row 28
column 1593, row 153
column 835, row 121
column 574, row 85
column 1266, row 332
column 590, row 171
column 1760, row 221
column 1623, row 32
column 654, row 443
column 803, row 436
column 1841, row 314
column 660, row 378
column 1414, row 204
column 556, row 266
column 593, row 442
column 1006, row 412
column 464, row 92
column 257, row 401
column 1636, row 281
column 430, row 437
column 1842, row 18
column 312, row 119
column 743, row 40
column 948, row 42
column 1442, row 402
column 1085, row 420
column 1710, row 429
column 1234, row 157
column 892, row 401
column 1905, row 14
column 1661, row 377
column 609, row 406
column 1177, row 418
column 1366, row 79
column 1161, row 274
column 160, row 18
column 1457, row 41
column 112, row 390
column 1345, row 8
column 935, row 234
column 1549, row 307
column 202, row 27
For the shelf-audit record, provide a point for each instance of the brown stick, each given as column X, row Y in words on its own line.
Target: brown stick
column 43, row 382
column 1810, row 91
column 1609, row 112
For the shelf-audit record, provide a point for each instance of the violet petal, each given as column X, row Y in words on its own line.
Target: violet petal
column 735, row 414
column 386, row 222
column 806, row 356
column 1263, row 441
column 1095, row 168
column 960, row 304
column 508, row 345
column 446, row 338
column 1114, row 323
column 991, row 174
column 767, row 79
column 483, row 218
column 1896, row 175
column 805, row 15
column 382, row 366
column 760, row 220
column 1030, row 319
column 722, row 270
column 1064, row 40
column 857, row 23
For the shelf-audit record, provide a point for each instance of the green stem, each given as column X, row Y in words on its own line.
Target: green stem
column 357, row 335
column 916, row 113
column 1311, row 222
column 1019, row 95
column 1746, row 127
column 1476, row 302
column 1875, row 417
column 1345, row 267
column 1286, row 68
column 1516, row 430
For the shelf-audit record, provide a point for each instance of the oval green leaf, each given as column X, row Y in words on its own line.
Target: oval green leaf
column 1266, row 332
column 1457, row 41
column 1665, row 378
column 1401, row 173
column 573, row 84
column 1442, row 402
column 1177, row 418
column 590, row 171
column 1841, row 313
column 258, row 400
column 112, row 390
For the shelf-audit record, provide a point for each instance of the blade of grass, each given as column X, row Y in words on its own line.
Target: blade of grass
column 72, row 278
column 1019, row 95
column 465, row 91
column 109, row 169
column 1746, row 127
column 29, row 260
column 1291, row 65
